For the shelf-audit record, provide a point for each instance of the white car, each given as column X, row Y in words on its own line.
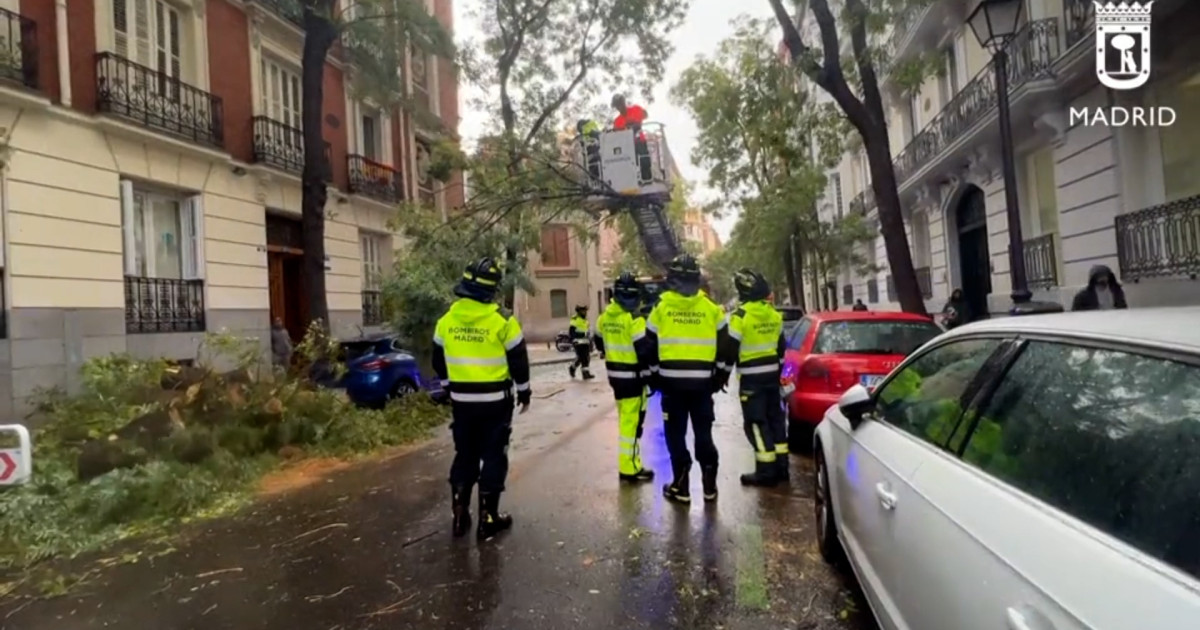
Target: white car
column 1024, row 473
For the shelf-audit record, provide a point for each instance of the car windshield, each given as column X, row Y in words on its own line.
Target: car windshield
column 876, row 336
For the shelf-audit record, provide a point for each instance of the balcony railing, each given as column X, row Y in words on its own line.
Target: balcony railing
column 925, row 282
column 1041, row 262
column 155, row 305
column 1079, row 20
column 372, row 308
column 1031, row 54
column 282, row 146
column 374, row 180
column 18, row 49
column 1160, row 241
column 289, row 10
column 157, row 100
column 863, row 202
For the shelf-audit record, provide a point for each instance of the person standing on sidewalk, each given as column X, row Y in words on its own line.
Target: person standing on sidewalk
column 480, row 356
column 756, row 345
column 685, row 330
column 581, row 342
column 621, row 339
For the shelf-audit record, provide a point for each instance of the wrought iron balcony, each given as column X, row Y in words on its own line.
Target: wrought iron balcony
column 1041, row 262
column 372, row 308
column 1079, row 21
column 925, row 282
column 282, row 146
column 863, row 202
column 157, row 100
column 18, row 49
column 290, row 10
column 374, row 180
column 1031, row 54
column 155, row 305
column 1160, row 241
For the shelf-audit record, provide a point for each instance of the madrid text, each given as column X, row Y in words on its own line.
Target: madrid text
column 1122, row 116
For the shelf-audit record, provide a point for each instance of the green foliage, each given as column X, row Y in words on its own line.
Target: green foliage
column 766, row 146
column 146, row 445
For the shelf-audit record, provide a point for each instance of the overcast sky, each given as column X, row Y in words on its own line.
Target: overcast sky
column 708, row 22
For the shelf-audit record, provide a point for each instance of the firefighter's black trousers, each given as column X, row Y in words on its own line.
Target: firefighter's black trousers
column 764, row 422
column 583, row 356
column 481, row 432
column 677, row 408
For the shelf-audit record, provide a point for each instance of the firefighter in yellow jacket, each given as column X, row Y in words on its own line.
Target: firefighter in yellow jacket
column 685, row 330
column 581, row 342
column 756, row 346
column 621, row 339
column 480, row 356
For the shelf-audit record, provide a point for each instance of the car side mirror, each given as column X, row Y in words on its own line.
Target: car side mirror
column 855, row 402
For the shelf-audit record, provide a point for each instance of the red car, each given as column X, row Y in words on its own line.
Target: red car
column 829, row 352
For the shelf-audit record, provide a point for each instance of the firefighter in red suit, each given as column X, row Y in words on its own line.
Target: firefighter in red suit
column 632, row 117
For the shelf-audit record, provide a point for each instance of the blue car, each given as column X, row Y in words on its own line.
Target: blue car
column 378, row 369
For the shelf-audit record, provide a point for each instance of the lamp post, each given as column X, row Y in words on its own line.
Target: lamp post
column 995, row 24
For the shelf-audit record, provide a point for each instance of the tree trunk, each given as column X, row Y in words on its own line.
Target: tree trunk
column 320, row 34
column 891, row 221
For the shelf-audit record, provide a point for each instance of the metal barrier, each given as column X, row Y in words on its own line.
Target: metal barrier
column 16, row 464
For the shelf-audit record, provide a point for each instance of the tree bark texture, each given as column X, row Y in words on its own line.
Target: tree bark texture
column 320, row 34
column 868, row 118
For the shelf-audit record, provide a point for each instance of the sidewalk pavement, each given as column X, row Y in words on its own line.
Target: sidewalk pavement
column 539, row 354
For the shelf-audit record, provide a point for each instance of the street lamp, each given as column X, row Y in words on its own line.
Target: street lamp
column 995, row 24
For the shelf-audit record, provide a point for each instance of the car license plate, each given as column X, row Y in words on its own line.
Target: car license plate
column 870, row 380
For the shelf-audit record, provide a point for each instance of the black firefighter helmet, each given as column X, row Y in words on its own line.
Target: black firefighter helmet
column 683, row 275
column 627, row 292
column 480, row 281
column 751, row 285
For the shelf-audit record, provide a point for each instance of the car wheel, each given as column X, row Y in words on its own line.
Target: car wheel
column 402, row 389
column 827, row 540
column 800, row 436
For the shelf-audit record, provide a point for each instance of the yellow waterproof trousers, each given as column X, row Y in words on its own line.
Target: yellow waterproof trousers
column 630, row 414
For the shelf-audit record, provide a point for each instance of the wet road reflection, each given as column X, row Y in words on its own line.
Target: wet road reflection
column 370, row 548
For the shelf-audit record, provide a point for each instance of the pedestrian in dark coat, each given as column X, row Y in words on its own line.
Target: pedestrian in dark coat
column 956, row 312
column 1102, row 292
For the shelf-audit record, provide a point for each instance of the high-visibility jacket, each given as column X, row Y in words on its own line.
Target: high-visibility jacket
column 579, row 331
column 479, row 352
column 621, row 336
column 590, row 128
column 686, row 333
column 756, row 344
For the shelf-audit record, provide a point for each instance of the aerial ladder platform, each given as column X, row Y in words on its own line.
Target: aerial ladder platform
column 625, row 173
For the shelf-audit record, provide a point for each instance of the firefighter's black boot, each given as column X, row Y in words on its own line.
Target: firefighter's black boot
column 708, row 476
column 571, row 369
column 491, row 520
column 587, row 374
column 460, row 501
column 644, row 474
column 678, row 491
column 782, row 468
column 765, row 475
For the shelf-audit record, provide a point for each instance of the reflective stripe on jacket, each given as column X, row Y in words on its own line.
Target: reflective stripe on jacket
column 687, row 332
column 756, row 338
column 579, row 331
column 475, row 346
column 619, row 332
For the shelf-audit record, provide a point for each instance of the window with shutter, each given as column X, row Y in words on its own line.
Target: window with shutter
column 556, row 246
column 280, row 96
column 163, row 234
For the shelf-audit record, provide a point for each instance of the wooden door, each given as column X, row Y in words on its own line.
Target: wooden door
column 275, row 285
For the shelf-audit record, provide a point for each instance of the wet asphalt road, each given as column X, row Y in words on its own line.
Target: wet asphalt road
column 369, row 547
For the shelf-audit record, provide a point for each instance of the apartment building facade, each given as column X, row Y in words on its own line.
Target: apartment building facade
column 150, row 184
column 1123, row 196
